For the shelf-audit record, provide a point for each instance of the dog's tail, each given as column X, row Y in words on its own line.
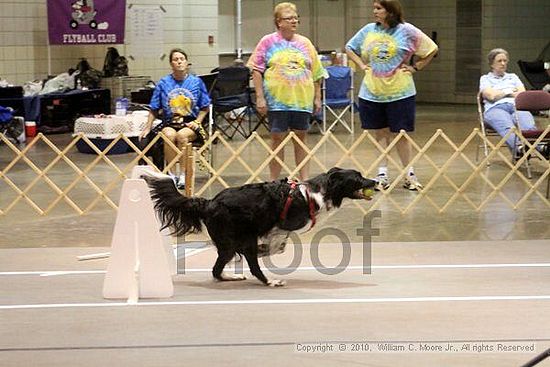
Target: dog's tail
column 177, row 212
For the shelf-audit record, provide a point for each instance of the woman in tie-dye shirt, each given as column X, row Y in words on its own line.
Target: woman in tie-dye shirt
column 287, row 74
column 387, row 96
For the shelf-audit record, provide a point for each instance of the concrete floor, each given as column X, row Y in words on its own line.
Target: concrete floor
column 471, row 279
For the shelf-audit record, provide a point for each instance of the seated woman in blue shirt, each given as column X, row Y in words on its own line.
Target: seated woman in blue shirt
column 184, row 102
column 499, row 89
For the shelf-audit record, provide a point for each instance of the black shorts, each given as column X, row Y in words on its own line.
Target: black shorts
column 281, row 121
column 397, row 115
column 177, row 123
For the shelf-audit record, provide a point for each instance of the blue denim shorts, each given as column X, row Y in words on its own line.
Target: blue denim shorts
column 397, row 115
column 282, row 121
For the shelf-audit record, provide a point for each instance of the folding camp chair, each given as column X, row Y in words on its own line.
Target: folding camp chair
column 534, row 71
column 338, row 98
column 209, row 81
column 233, row 109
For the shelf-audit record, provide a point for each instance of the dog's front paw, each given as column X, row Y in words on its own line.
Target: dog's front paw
column 276, row 283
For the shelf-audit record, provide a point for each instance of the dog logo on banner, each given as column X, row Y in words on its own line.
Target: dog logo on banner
column 86, row 21
column 83, row 13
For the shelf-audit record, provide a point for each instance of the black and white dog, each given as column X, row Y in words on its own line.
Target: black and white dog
column 255, row 219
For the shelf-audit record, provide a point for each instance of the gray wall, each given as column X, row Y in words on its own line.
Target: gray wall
column 522, row 27
column 24, row 49
column 322, row 21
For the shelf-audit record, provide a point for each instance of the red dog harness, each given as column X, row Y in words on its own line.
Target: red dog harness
column 310, row 201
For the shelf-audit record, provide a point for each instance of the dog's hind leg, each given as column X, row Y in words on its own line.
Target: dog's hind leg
column 223, row 258
column 251, row 256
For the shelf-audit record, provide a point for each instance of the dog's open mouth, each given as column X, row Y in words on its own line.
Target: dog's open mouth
column 365, row 193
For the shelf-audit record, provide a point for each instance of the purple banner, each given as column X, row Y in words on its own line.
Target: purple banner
column 80, row 22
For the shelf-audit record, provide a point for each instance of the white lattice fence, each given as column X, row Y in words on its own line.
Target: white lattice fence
column 450, row 174
column 466, row 188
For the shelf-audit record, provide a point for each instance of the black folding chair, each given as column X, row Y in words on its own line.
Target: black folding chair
column 534, row 71
column 209, row 81
column 233, row 109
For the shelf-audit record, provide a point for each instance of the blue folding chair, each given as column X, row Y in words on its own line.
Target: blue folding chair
column 338, row 98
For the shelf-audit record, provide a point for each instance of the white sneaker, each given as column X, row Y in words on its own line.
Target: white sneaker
column 411, row 183
column 519, row 152
column 382, row 182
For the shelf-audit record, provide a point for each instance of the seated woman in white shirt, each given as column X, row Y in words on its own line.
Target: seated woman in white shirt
column 499, row 90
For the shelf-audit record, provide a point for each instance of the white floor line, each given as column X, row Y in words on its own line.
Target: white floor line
column 394, row 267
column 283, row 301
column 189, row 251
column 69, row 272
column 45, row 273
column 49, row 273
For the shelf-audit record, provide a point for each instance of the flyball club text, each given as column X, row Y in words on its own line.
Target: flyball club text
column 89, row 38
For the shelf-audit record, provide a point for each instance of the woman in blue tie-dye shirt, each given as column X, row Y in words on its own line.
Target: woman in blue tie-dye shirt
column 184, row 102
column 383, row 50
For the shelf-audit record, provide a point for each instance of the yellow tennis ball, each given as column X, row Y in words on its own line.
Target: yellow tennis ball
column 368, row 193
